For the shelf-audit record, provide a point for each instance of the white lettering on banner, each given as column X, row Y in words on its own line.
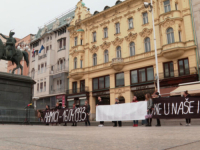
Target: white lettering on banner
column 174, row 109
column 157, row 109
column 180, row 108
column 190, row 107
column 122, row 112
column 165, row 109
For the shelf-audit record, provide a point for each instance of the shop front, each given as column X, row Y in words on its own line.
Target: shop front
column 105, row 96
column 78, row 100
column 61, row 100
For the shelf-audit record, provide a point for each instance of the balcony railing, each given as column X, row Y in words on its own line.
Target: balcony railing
column 58, row 90
column 78, row 90
column 117, row 60
column 59, row 69
column 43, row 56
column 177, row 73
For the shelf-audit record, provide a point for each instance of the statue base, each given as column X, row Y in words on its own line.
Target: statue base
column 15, row 95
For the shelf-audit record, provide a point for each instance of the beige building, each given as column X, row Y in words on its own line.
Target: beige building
column 195, row 5
column 49, row 66
column 112, row 52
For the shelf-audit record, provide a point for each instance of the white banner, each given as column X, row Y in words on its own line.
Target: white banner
column 122, row 112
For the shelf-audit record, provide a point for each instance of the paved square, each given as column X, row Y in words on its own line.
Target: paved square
column 18, row 137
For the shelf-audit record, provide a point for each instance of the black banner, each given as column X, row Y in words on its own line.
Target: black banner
column 176, row 107
column 65, row 115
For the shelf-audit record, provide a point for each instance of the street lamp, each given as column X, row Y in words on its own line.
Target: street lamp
column 146, row 5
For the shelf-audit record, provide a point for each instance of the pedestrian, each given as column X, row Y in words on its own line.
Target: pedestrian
column 157, row 95
column 87, row 113
column 39, row 115
column 47, row 110
column 57, row 108
column 65, row 108
column 74, row 123
column 135, row 122
column 149, row 109
column 115, row 122
column 188, row 120
column 100, row 103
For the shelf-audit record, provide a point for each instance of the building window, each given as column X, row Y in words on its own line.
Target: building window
column 170, row 36
column 42, row 68
column 130, row 23
column 119, row 79
column 75, row 41
column 64, row 43
column 105, row 32
column 142, row 75
column 101, row 83
column 176, row 6
column 94, row 59
column 183, row 66
column 38, row 87
column 82, row 86
column 106, row 56
column 75, row 63
column 179, row 34
column 60, row 44
column 41, row 86
column 45, row 67
column 74, row 87
column 44, row 86
column 33, row 73
column 117, row 25
column 147, row 44
column 81, row 41
column 94, row 36
column 118, row 52
column 132, row 49
column 167, row 6
column 145, row 18
column 81, row 63
column 47, row 48
column 168, row 69
column 38, row 69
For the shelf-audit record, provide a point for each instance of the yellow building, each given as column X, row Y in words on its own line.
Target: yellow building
column 112, row 52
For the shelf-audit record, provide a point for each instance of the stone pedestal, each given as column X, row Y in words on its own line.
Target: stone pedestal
column 15, row 95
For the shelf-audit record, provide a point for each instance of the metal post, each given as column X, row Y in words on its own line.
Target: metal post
column 155, row 46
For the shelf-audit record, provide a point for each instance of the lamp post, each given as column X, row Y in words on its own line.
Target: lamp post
column 146, row 5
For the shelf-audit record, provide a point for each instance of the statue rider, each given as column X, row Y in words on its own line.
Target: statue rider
column 10, row 45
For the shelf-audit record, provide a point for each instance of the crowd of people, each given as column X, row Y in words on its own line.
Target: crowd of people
column 150, row 109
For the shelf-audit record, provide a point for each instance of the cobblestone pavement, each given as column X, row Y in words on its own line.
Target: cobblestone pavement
column 18, row 137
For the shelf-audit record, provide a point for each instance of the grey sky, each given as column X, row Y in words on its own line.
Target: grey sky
column 25, row 16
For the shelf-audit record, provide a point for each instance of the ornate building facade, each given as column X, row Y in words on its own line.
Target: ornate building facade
column 112, row 52
column 49, row 62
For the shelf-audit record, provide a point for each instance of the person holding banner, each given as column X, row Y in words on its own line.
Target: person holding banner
column 58, row 107
column 188, row 120
column 65, row 108
column 47, row 109
column 74, row 123
column 115, row 122
column 158, row 120
column 87, row 113
column 149, row 109
column 100, row 103
column 135, row 122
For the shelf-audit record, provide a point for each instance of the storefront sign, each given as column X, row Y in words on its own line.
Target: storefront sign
column 61, row 97
column 101, row 93
column 176, row 107
column 142, row 87
column 65, row 115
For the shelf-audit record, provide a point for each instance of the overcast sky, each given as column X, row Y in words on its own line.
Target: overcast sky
column 25, row 16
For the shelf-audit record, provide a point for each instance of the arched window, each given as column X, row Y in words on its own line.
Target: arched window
column 118, row 52
column 64, row 63
column 132, row 49
column 147, row 44
column 58, row 65
column 94, row 59
column 106, row 58
column 75, row 62
column 61, row 64
column 170, row 35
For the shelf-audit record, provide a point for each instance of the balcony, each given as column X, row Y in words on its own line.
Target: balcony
column 77, row 74
column 58, row 69
column 41, row 57
column 177, row 77
column 58, row 90
column 78, row 90
column 117, row 64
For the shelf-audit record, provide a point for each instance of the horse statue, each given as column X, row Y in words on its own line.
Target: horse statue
column 8, row 52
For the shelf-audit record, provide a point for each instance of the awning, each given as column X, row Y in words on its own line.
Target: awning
column 192, row 88
column 164, row 92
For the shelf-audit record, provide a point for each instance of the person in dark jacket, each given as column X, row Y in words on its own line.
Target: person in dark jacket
column 87, row 113
column 188, row 120
column 100, row 103
column 74, row 123
column 58, row 107
column 65, row 108
column 115, row 122
column 47, row 109
column 157, row 95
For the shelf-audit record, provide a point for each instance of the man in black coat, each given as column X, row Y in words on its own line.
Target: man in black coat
column 100, row 103
column 87, row 113
column 115, row 122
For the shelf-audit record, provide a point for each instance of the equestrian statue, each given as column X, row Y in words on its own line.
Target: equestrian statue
column 10, row 53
